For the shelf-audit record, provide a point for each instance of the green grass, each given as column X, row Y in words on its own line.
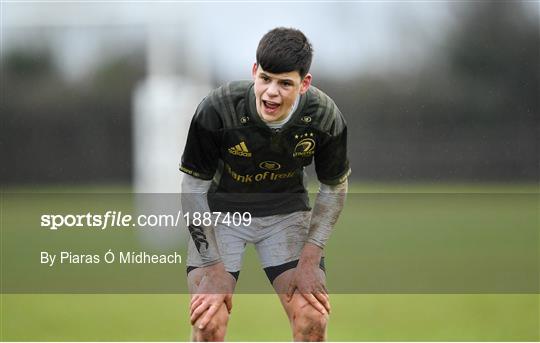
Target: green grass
column 259, row 317
column 392, row 238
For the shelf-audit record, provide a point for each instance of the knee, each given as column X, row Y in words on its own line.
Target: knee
column 214, row 331
column 309, row 324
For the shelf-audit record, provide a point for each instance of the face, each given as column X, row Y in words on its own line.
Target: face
column 276, row 93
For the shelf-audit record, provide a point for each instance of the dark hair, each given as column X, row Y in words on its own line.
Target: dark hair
column 283, row 50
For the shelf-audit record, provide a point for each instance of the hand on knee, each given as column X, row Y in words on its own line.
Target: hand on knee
column 309, row 324
column 214, row 331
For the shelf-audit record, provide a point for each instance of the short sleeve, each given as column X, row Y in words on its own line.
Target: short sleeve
column 331, row 162
column 201, row 153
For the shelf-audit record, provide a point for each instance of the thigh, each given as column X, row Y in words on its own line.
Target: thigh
column 195, row 276
column 297, row 302
column 281, row 282
column 282, row 241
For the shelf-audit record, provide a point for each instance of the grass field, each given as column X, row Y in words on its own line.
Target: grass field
column 259, row 317
column 421, row 241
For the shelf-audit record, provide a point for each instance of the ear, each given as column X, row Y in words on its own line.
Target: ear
column 306, row 82
column 254, row 70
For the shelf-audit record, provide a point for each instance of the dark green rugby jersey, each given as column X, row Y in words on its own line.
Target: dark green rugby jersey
column 257, row 169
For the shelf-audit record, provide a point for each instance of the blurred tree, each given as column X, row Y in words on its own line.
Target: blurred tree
column 495, row 51
column 471, row 115
column 56, row 131
column 21, row 64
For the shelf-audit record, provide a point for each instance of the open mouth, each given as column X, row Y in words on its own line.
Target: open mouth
column 270, row 106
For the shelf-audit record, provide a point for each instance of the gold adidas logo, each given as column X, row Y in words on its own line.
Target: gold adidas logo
column 240, row 150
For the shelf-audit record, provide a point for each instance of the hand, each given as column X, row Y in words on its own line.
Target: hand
column 309, row 281
column 214, row 289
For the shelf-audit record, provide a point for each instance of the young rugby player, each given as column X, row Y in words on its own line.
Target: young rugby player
column 247, row 147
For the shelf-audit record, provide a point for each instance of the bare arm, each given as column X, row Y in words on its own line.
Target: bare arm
column 213, row 288
column 328, row 205
column 194, row 192
column 308, row 280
